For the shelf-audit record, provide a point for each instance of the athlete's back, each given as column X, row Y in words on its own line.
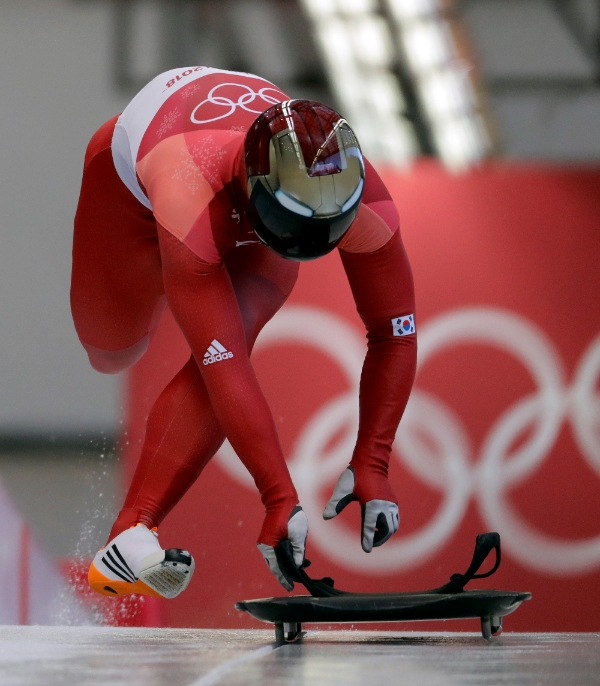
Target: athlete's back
column 176, row 144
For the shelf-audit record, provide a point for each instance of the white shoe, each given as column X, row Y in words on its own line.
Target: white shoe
column 134, row 562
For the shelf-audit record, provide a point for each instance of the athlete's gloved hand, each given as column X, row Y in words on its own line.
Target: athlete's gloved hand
column 380, row 518
column 297, row 531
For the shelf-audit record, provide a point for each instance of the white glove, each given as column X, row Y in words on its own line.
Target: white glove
column 380, row 518
column 297, row 533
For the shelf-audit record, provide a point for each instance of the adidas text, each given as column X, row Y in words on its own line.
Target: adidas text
column 216, row 353
column 217, row 358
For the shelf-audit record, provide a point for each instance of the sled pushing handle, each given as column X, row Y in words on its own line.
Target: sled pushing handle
column 484, row 544
column 319, row 588
column 323, row 588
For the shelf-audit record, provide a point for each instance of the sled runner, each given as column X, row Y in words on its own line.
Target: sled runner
column 330, row 605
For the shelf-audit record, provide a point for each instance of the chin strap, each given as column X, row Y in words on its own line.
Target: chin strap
column 323, row 588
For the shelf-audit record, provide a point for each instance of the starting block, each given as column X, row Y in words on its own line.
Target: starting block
column 327, row 604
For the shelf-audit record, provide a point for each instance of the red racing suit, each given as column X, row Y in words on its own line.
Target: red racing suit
column 162, row 219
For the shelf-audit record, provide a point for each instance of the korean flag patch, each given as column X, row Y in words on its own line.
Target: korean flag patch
column 404, row 326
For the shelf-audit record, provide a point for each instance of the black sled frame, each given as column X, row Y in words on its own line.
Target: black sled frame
column 327, row 604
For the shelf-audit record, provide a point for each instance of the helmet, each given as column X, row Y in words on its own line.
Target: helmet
column 305, row 178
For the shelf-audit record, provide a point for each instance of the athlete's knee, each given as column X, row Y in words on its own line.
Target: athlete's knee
column 115, row 361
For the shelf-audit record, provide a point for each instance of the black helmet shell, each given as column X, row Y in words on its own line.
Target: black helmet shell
column 305, row 178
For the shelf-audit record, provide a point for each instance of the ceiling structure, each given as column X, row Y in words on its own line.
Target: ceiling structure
column 459, row 79
column 541, row 63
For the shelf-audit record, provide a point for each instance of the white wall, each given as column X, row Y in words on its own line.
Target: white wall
column 54, row 93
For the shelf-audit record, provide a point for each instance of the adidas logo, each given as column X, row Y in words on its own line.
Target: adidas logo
column 216, row 353
column 117, row 565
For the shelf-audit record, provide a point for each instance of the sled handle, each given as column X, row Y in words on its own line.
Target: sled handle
column 484, row 545
column 318, row 588
column 323, row 588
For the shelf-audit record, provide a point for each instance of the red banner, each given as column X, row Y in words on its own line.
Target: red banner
column 502, row 432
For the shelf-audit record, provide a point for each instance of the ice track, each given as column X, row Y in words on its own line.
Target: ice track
column 56, row 656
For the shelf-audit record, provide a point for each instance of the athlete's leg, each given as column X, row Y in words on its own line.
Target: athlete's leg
column 117, row 294
column 182, row 432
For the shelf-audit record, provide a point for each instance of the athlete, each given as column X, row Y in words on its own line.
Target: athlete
column 204, row 195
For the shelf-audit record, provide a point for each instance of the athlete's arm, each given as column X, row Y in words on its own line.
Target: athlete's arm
column 204, row 305
column 195, row 231
column 381, row 281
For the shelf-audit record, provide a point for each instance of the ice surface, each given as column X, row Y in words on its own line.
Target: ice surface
column 50, row 656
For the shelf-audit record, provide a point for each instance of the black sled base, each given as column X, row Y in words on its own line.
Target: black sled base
column 327, row 604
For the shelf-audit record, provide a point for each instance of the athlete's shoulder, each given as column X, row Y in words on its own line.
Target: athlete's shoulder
column 377, row 218
column 169, row 82
column 152, row 96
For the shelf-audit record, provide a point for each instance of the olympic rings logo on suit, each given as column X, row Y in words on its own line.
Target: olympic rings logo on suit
column 444, row 461
column 246, row 98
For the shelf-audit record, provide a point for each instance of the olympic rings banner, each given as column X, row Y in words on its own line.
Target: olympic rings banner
column 502, row 432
